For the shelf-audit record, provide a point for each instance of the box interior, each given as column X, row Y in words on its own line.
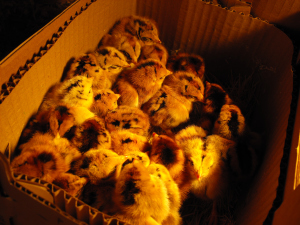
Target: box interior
column 248, row 56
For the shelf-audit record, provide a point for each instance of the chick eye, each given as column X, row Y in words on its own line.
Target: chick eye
column 146, row 39
column 126, row 54
column 25, row 163
column 203, row 157
column 114, row 67
column 191, row 162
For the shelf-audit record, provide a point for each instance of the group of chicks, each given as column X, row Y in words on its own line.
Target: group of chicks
column 132, row 131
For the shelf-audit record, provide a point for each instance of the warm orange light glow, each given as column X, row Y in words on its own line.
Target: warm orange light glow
column 297, row 169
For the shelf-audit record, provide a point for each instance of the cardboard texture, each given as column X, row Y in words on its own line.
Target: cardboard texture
column 28, row 200
column 283, row 13
column 235, row 47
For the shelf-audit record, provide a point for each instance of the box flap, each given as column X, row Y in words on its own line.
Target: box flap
column 285, row 13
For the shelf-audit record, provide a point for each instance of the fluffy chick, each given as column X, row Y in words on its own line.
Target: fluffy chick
column 143, row 28
column 191, row 63
column 215, row 97
column 139, row 84
column 98, row 165
column 167, row 109
column 138, row 156
column 165, row 151
column 141, row 198
column 99, row 196
column 57, row 120
column 90, row 134
column 76, row 91
column 127, row 44
column 187, row 85
column 191, row 140
column 162, row 172
column 129, row 118
column 212, row 168
column 44, row 157
column 155, row 51
column 124, row 142
column 88, row 66
column 231, row 123
column 104, row 100
column 112, row 62
column 71, row 183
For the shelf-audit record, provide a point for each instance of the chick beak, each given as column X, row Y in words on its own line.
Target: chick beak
column 198, row 176
column 169, row 72
column 127, row 66
column 158, row 41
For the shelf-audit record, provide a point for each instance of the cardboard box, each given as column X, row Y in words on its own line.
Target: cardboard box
column 235, row 47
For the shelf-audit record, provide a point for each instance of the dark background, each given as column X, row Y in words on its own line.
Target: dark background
column 19, row 19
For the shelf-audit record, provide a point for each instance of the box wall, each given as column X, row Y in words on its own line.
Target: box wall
column 232, row 45
column 81, row 35
column 283, row 13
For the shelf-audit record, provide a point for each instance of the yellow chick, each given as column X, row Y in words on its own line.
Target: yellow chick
column 162, row 172
column 129, row 118
column 138, row 156
column 105, row 100
column 76, row 91
column 137, row 85
column 140, row 198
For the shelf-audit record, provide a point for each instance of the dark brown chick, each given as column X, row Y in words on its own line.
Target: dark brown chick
column 155, row 51
column 89, row 135
column 143, row 28
column 191, row 63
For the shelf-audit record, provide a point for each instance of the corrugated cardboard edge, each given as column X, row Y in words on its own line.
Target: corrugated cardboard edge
column 65, row 208
column 8, row 86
